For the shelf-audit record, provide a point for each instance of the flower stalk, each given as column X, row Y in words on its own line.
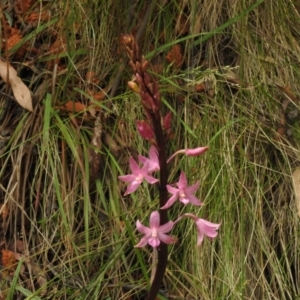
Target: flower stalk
column 157, row 133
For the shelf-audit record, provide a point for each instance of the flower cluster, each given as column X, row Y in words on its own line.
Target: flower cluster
column 156, row 233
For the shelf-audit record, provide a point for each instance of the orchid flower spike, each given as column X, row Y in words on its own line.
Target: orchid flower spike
column 206, row 228
column 189, row 152
column 183, row 192
column 137, row 176
column 155, row 234
column 153, row 162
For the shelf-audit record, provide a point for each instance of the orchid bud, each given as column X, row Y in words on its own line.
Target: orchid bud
column 127, row 39
column 156, row 93
column 148, row 102
column 140, row 81
column 167, row 121
column 145, row 130
column 133, row 86
column 138, row 67
column 147, row 81
column 196, row 151
column 144, row 64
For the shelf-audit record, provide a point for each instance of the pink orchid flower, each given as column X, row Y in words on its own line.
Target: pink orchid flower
column 184, row 192
column 137, row 176
column 206, row 228
column 156, row 233
column 153, row 162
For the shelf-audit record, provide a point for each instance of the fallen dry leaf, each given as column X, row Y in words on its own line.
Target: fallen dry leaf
column 8, row 259
column 175, row 56
column 296, row 183
column 20, row 90
column 74, row 106
column 25, row 5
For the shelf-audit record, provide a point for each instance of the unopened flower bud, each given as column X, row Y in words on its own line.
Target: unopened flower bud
column 156, row 93
column 140, row 81
column 196, row 151
column 148, row 102
column 167, row 121
column 144, row 64
column 127, row 39
column 145, row 130
column 189, row 152
column 133, row 86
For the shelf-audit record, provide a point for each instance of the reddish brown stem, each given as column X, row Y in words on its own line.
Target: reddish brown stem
column 150, row 98
column 163, row 196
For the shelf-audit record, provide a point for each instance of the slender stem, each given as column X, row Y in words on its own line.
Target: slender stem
column 154, row 264
column 163, row 197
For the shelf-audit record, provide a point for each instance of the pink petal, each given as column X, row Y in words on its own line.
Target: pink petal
column 154, row 219
column 184, row 200
column 196, row 151
column 166, row 227
column 170, row 202
column 172, row 190
column 208, row 228
column 143, row 242
column 153, row 161
column 153, row 155
column 134, row 167
column 132, row 187
column 153, row 164
column 166, row 238
column 145, row 169
column 150, row 179
column 142, row 228
column 193, row 188
column 143, row 159
column 182, row 183
column 127, row 178
column 194, row 200
column 154, row 242
column 200, row 238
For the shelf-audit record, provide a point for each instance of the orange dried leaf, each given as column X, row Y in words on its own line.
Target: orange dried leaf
column 8, row 259
column 14, row 38
column 175, row 56
column 200, row 87
column 74, row 106
column 34, row 17
column 99, row 96
column 24, row 5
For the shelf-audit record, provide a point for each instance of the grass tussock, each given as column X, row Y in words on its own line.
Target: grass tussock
column 233, row 86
